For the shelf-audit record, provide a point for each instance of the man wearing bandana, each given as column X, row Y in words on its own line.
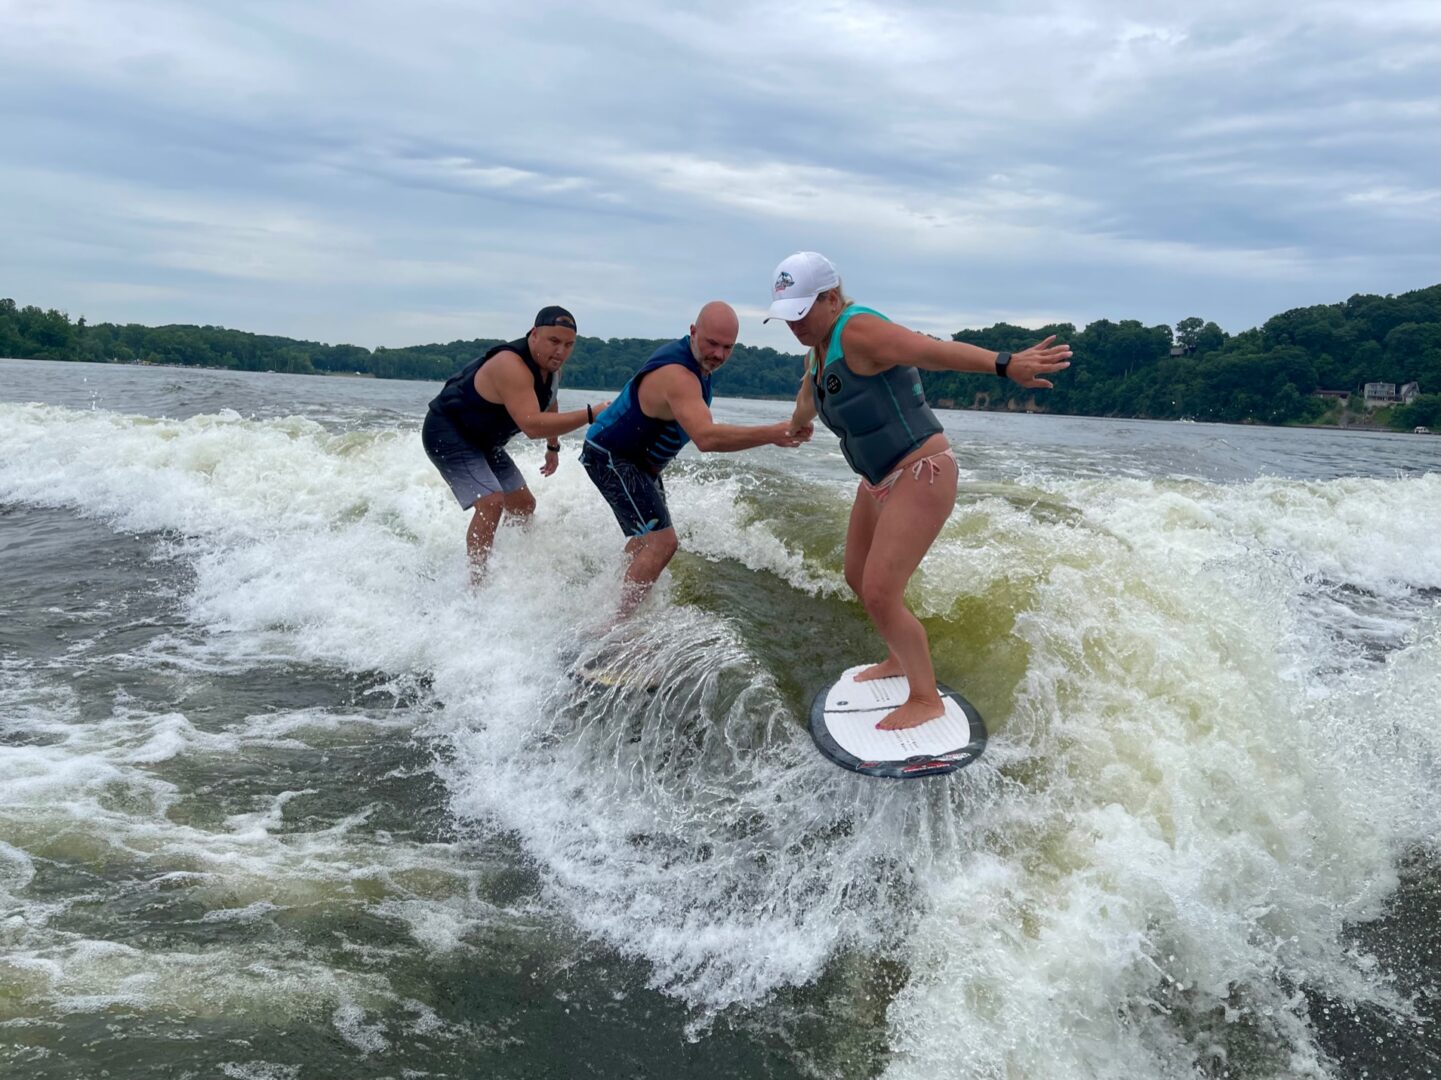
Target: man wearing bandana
column 510, row 390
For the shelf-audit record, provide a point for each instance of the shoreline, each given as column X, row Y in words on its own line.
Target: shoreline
column 1357, row 428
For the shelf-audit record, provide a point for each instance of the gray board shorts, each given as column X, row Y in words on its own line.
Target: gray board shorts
column 471, row 471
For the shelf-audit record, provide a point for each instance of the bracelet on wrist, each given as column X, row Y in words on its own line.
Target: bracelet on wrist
column 554, row 448
column 589, row 415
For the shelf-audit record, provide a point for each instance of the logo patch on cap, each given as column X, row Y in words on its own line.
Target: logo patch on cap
column 554, row 315
column 784, row 282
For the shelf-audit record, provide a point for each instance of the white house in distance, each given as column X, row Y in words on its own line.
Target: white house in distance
column 1385, row 393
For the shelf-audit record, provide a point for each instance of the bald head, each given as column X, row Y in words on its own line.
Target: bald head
column 718, row 317
column 713, row 334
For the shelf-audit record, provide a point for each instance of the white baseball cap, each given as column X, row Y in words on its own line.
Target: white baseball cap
column 798, row 280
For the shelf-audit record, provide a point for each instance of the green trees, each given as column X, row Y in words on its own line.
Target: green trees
column 750, row 372
column 1196, row 336
column 1425, row 411
column 11, row 341
column 1412, row 350
column 45, row 335
column 1267, row 374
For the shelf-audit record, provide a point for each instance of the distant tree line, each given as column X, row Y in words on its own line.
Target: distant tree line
column 597, row 364
column 1194, row 370
column 1198, row 371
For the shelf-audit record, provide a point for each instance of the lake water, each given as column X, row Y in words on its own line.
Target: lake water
column 281, row 797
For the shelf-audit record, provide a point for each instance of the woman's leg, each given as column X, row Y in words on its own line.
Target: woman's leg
column 907, row 524
column 865, row 512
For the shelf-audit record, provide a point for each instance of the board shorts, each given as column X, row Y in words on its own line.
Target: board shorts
column 471, row 471
column 636, row 496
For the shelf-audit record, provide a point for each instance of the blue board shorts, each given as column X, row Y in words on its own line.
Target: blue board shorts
column 636, row 496
column 471, row 471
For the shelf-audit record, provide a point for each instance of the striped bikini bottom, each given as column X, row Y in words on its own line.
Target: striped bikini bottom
column 882, row 488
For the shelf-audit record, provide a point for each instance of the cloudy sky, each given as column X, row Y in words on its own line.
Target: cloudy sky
column 403, row 172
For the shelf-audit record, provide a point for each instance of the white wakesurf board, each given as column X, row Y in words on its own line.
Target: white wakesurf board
column 843, row 724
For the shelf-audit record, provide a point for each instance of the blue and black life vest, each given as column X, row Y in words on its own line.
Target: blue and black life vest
column 625, row 431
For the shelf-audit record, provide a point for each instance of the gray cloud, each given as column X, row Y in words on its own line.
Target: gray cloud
column 381, row 175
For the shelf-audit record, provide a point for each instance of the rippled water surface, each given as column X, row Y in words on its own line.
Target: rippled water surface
column 280, row 796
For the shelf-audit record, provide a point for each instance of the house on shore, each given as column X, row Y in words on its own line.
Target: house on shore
column 1379, row 394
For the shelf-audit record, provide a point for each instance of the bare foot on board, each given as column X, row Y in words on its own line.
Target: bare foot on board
column 913, row 713
column 888, row 668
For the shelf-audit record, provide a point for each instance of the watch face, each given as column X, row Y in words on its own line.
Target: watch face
column 833, row 383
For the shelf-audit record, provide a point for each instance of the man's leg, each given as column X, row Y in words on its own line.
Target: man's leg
column 649, row 555
column 481, row 533
column 479, row 477
column 520, row 505
column 637, row 498
column 513, row 500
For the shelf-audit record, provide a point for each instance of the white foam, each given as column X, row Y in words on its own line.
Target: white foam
column 1178, row 810
column 349, row 1021
column 86, row 793
column 1213, row 827
column 259, row 1070
column 247, row 914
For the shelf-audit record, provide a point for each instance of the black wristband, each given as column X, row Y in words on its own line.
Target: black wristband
column 1003, row 360
column 554, row 448
column 589, row 415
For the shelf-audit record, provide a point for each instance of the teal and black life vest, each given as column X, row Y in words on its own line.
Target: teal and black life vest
column 879, row 418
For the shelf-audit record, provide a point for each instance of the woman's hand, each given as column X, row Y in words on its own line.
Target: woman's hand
column 1042, row 358
column 783, row 435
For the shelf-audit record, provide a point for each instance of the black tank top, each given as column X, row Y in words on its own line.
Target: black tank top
column 487, row 423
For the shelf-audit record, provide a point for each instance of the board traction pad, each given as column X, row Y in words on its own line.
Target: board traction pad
column 843, row 724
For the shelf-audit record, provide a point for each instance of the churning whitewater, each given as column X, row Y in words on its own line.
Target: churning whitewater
column 272, row 767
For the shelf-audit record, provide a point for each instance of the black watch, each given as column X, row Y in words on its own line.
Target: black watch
column 1003, row 360
column 554, row 448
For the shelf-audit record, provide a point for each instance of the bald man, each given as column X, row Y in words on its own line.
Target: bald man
column 665, row 405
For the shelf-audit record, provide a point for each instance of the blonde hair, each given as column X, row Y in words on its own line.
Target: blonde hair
column 813, row 357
